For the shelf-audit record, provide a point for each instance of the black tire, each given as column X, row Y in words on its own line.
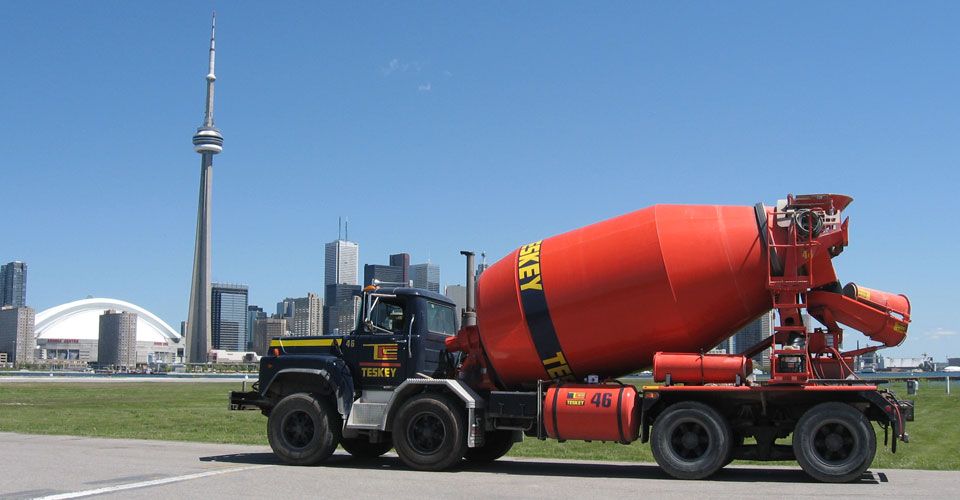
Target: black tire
column 362, row 448
column 834, row 443
column 690, row 440
column 496, row 445
column 303, row 429
column 430, row 433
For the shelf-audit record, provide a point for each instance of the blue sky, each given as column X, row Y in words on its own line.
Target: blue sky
column 439, row 126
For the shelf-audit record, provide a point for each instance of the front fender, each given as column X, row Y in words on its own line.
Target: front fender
column 329, row 370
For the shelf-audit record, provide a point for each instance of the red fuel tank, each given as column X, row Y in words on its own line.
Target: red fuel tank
column 602, row 299
column 598, row 412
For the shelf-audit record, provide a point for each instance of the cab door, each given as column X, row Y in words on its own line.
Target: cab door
column 439, row 321
column 378, row 351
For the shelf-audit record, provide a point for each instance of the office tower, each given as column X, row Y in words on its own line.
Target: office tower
column 13, row 284
column 285, row 308
column 458, row 294
column 402, row 260
column 253, row 314
column 749, row 335
column 339, row 315
column 426, row 276
column 341, row 263
column 117, row 342
column 482, row 266
column 266, row 329
column 305, row 314
column 16, row 334
column 207, row 141
column 229, row 316
column 388, row 274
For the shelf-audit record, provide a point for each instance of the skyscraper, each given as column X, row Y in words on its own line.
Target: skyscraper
column 339, row 316
column 426, row 276
column 306, row 315
column 253, row 314
column 341, row 275
column 207, row 141
column 749, row 335
column 117, row 342
column 13, row 284
column 264, row 330
column 402, row 260
column 16, row 334
column 389, row 274
column 229, row 317
column 341, row 263
column 285, row 308
column 458, row 294
column 482, row 266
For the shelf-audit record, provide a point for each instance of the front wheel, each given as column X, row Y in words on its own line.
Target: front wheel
column 303, row 429
column 834, row 443
column 429, row 432
column 362, row 448
column 690, row 440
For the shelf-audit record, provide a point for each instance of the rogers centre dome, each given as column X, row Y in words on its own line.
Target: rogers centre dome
column 81, row 320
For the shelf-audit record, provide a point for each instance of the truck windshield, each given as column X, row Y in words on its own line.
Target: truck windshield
column 441, row 318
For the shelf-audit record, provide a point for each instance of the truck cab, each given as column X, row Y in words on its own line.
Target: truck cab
column 400, row 333
column 321, row 391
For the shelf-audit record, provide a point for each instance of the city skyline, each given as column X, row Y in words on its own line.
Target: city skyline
column 529, row 133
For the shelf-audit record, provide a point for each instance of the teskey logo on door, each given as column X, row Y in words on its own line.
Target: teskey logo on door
column 384, row 352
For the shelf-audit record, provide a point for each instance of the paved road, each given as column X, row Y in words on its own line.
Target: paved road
column 72, row 467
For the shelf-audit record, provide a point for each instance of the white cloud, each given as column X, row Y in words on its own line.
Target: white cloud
column 425, row 87
column 447, row 73
column 939, row 333
column 397, row 66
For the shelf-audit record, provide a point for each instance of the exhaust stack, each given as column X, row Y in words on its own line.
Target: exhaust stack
column 469, row 317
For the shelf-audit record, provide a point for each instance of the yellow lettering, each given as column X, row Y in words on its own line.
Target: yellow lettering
column 528, row 271
column 526, row 259
column 559, row 372
column 531, row 248
column 556, row 360
column 533, row 284
column 378, row 372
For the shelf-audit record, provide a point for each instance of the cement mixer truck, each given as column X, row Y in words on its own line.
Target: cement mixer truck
column 557, row 323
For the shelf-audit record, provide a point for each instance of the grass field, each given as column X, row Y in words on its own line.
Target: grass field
column 198, row 412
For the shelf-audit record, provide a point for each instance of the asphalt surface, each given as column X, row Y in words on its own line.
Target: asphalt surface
column 73, row 467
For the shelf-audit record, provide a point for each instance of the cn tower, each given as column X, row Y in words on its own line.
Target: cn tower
column 208, row 142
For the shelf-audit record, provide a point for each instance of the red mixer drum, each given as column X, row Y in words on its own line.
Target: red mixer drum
column 602, row 299
column 598, row 412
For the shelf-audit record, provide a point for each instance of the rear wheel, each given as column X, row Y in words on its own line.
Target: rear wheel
column 429, row 432
column 834, row 443
column 690, row 440
column 303, row 429
column 496, row 445
column 362, row 447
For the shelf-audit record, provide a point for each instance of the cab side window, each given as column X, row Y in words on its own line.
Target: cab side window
column 441, row 319
column 387, row 317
